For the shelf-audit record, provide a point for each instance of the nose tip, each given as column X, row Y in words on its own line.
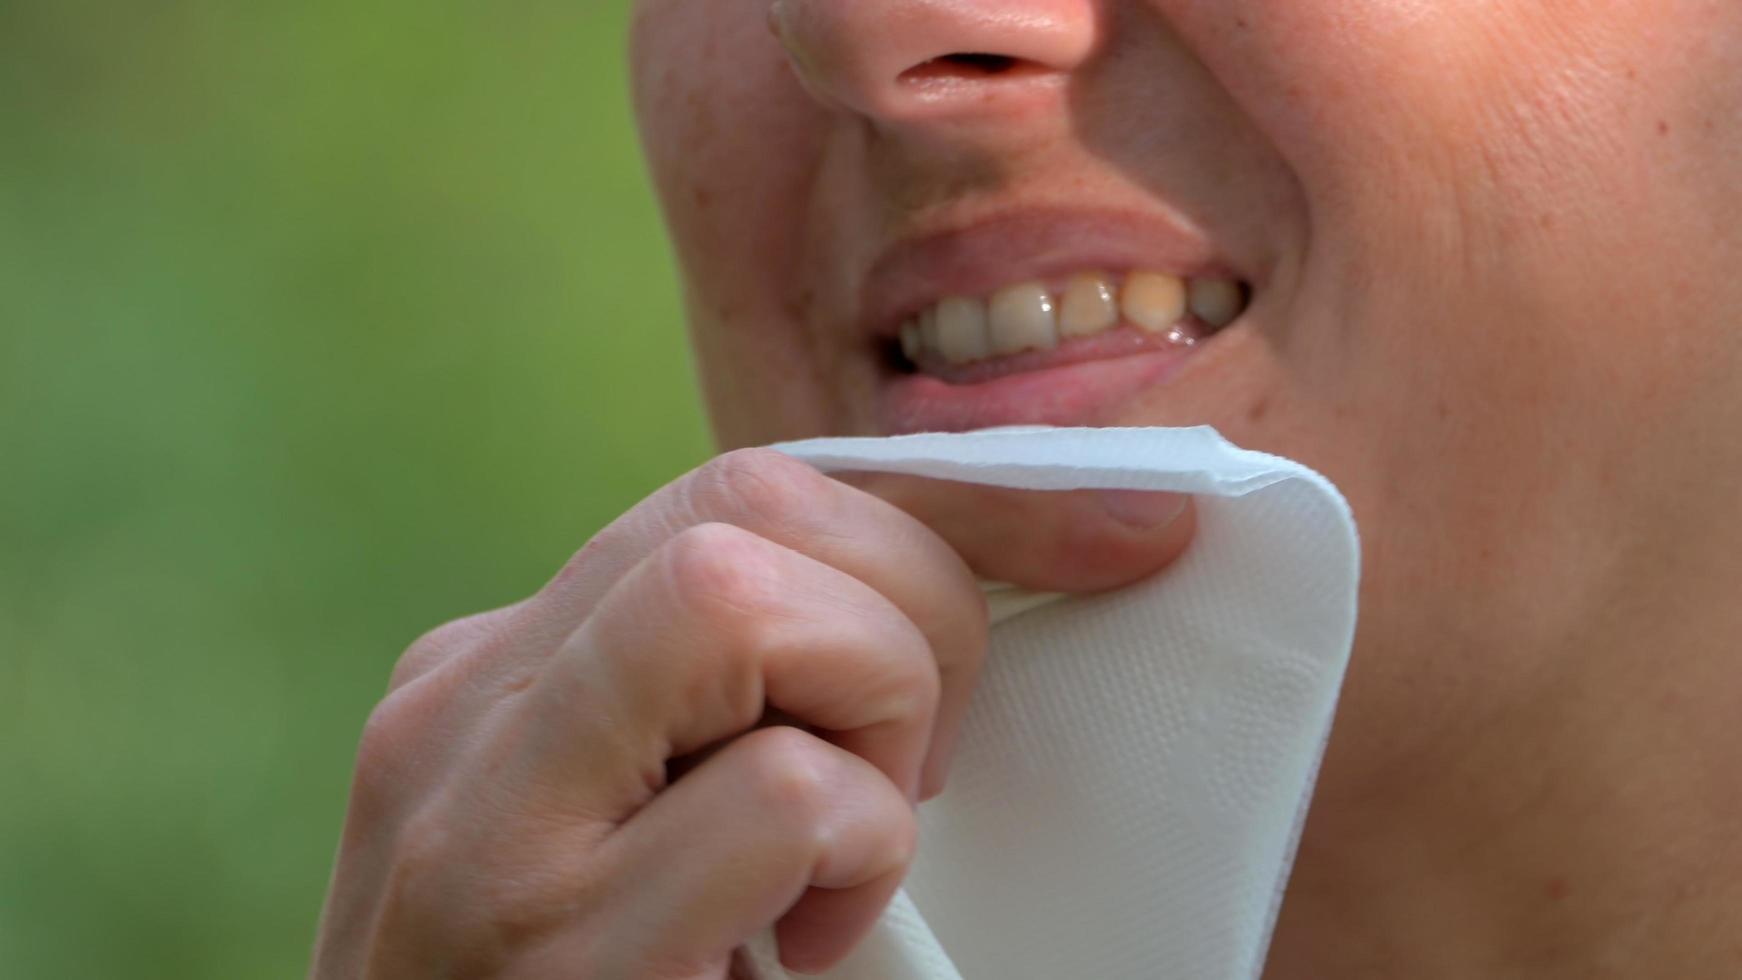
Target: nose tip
column 898, row 60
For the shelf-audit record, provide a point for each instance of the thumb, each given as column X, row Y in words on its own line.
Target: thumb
column 1044, row 540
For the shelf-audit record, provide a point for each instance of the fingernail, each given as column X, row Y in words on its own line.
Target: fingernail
column 1145, row 510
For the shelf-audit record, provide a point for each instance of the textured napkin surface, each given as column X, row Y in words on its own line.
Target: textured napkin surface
column 1135, row 768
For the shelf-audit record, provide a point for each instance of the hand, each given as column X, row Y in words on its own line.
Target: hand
column 592, row 782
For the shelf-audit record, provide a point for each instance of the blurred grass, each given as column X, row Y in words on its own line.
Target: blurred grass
column 320, row 323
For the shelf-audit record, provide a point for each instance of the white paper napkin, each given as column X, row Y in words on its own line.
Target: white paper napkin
column 1136, row 766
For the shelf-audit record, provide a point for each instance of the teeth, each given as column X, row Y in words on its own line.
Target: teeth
column 1153, row 300
column 928, row 329
column 1028, row 316
column 1021, row 318
column 1089, row 306
column 911, row 341
column 961, row 330
column 1215, row 301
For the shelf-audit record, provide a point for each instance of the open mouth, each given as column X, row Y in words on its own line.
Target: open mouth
column 1047, row 317
column 1087, row 316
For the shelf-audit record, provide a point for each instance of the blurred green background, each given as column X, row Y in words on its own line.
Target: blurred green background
column 320, row 323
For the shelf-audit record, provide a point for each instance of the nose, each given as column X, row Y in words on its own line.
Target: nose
column 903, row 60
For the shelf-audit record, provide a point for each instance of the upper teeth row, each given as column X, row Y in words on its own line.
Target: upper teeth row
column 1028, row 316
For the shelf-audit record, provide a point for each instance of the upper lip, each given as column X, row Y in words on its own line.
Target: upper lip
column 1024, row 246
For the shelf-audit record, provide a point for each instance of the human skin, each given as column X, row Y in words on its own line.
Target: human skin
column 757, row 668
column 1491, row 258
column 1493, row 249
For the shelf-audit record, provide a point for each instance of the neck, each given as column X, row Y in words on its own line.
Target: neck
column 1591, row 830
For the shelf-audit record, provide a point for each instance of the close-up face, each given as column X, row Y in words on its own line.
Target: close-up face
column 1473, row 261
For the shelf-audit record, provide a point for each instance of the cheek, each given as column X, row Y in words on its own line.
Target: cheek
column 1391, row 102
column 1479, row 179
column 731, row 143
column 1500, row 228
column 728, row 133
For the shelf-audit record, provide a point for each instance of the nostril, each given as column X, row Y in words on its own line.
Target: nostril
column 967, row 65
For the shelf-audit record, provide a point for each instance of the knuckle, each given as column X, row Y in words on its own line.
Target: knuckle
column 907, row 685
column 764, row 485
column 915, row 691
column 445, row 643
column 792, row 773
column 393, row 736
column 412, row 877
column 722, row 568
column 386, row 732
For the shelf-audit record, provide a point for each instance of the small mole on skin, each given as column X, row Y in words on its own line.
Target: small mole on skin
column 1259, row 409
column 1662, row 128
column 1556, row 889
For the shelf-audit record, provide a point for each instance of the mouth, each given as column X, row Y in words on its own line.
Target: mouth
column 1091, row 311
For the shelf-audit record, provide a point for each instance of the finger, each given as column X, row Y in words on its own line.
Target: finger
column 778, row 825
column 702, row 637
column 788, row 502
column 1048, row 541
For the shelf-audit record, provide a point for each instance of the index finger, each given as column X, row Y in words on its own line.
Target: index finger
column 791, row 504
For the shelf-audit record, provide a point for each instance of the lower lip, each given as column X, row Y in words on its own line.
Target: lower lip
column 1084, row 393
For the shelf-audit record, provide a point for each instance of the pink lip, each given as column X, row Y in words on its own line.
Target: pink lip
column 1084, row 389
column 1084, row 393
